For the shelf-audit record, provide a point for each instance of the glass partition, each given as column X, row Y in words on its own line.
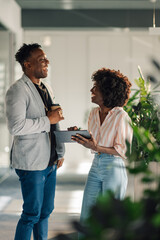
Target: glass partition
column 6, row 71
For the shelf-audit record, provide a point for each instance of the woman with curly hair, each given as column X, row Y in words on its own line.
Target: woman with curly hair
column 109, row 127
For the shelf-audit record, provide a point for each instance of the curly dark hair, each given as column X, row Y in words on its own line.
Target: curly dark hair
column 114, row 86
column 25, row 52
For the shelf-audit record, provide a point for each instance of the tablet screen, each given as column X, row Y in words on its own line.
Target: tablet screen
column 65, row 136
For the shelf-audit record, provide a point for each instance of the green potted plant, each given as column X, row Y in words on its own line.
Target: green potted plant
column 144, row 113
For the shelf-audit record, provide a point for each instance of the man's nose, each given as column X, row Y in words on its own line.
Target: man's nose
column 91, row 90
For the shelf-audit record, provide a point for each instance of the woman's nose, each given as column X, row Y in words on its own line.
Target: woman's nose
column 46, row 60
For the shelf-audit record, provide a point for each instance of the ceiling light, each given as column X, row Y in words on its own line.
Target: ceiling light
column 47, row 41
column 154, row 30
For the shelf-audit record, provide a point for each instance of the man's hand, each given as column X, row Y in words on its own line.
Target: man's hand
column 60, row 162
column 55, row 116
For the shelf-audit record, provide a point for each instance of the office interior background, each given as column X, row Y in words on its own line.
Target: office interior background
column 78, row 37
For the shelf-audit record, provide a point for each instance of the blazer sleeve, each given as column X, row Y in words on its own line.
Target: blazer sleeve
column 16, row 104
column 60, row 147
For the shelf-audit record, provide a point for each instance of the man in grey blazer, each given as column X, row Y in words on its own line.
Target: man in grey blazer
column 35, row 154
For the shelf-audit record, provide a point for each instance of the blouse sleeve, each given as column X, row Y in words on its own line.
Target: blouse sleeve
column 89, row 121
column 124, row 133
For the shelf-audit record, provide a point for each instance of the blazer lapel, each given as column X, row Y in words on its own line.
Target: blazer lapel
column 36, row 95
column 49, row 91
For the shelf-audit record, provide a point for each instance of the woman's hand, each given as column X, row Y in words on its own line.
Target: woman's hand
column 88, row 143
column 75, row 128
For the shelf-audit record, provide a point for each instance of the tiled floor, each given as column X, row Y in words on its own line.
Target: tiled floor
column 69, row 192
column 67, row 206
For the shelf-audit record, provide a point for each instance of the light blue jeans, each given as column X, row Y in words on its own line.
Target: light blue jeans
column 38, row 191
column 107, row 173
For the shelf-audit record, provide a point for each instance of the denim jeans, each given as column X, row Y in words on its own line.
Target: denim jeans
column 38, row 191
column 107, row 173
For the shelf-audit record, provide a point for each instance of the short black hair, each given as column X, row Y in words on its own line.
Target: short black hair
column 114, row 87
column 25, row 52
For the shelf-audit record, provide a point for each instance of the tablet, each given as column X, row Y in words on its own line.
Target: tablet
column 65, row 136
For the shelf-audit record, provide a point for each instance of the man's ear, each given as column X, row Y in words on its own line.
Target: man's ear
column 27, row 65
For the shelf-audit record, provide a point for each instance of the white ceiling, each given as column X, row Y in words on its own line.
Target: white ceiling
column 88, row 13
column 88, row 4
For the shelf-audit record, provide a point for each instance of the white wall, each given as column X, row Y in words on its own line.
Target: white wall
column 75, row 55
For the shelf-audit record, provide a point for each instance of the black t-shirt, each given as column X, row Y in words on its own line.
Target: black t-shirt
column 48, row 103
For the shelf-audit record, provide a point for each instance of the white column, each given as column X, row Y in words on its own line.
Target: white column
column 10, row 17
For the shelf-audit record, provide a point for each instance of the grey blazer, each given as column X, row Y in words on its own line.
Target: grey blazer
column 28, row 123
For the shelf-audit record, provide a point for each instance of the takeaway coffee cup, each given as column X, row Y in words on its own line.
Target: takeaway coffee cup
column 55, row 106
